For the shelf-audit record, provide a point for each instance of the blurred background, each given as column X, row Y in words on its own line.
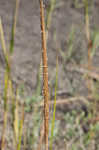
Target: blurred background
column 67, row 39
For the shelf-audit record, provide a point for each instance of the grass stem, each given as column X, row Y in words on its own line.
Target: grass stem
column 45, row 75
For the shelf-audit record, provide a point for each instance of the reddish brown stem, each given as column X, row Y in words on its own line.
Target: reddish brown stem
column 45, row 74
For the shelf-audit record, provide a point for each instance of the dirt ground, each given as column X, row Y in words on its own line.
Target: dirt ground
column 27, row 51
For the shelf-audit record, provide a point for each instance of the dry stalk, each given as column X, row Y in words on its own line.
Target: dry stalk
column 68, row 101
column 16, row 15
column 41, row 136
column 14, row 26
column 6, row 79
column 45, row 75
column 82, row 70
column 87, row 26
column 88, row 33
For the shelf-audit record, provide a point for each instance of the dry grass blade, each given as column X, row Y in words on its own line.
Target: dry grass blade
column 20, row 129
column 2, row 38
column 49, row 16
column 14, row 27
column 54, row 110
column 89, row 42
column 7, row 81
column 83, row 70
column 45, row 75
column 5, row 110
column 68, row 101
column 6, row 56
column 49, row 13
column 88, row 32
column 16, row 122
column 41, row 137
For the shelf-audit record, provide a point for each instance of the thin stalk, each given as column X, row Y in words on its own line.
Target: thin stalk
column 15, row 118
column 88, row 33
column 6, row 56
column 14, row 27
column 7, row 82
column 17, row 122
column 49, row 16
column 53, row 120
column 45, row 75
column 89, row 40
column 5, row 110
column 20, row 129
column 41, row 137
